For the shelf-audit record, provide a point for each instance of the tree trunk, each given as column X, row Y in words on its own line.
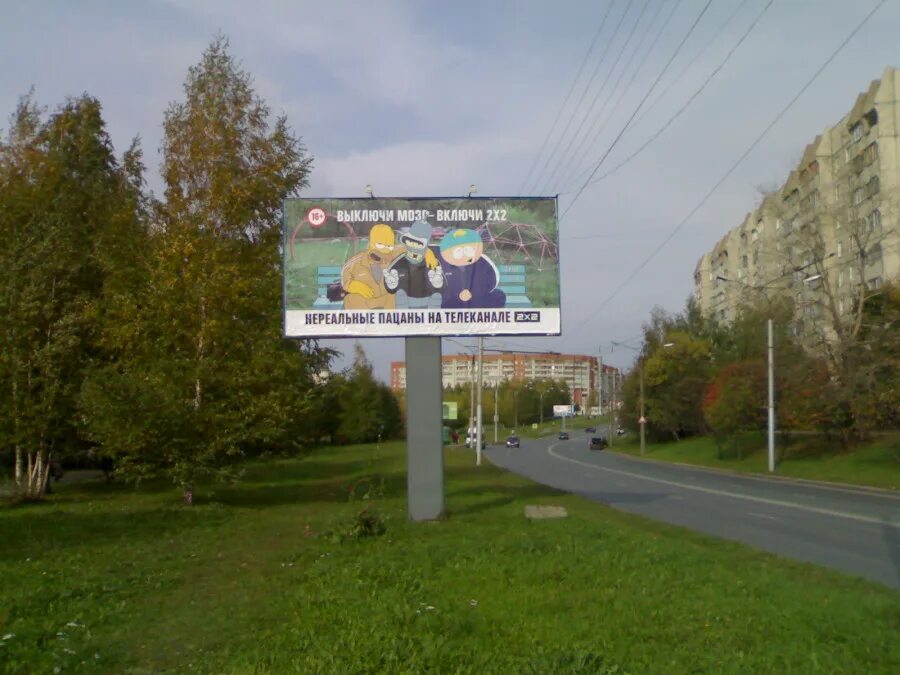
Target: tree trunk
column 37, row 476
column 20, row 467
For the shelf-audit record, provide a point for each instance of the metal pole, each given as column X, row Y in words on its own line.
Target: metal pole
column 471, row 432
column 496, row 408
column 610, row 411
column 479, row 411
column 541, row 411
column 600, row 386
column 771, row 399
column 643, row 420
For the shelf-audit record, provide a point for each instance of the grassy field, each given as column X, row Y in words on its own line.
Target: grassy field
column 268, row 576
column 876, row 464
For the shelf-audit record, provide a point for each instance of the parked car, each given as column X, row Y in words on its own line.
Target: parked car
column 597, row 443
column 512, row 442
column 590, row 430
column 563, row 435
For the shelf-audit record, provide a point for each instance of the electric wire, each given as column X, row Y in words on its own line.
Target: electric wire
column 590, row 108
column 639, row 105
column 595, row 133
column 646, row 111
column 567, row 97
column 584, row 92
column 734, row 166
column 684, row 107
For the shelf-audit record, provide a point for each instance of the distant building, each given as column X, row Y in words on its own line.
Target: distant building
column 577, row 370
column 832, row 227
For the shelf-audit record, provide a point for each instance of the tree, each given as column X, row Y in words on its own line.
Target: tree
column 68, row 222
column 368, row 409
column 831, row 224
column 202, row 358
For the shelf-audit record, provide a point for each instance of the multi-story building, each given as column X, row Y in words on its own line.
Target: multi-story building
column 829, row 234
column 579, row 372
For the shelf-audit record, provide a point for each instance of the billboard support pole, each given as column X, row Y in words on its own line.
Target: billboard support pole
column 424, row 420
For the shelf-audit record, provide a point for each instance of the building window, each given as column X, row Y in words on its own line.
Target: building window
column 872, row 117
column 840, row 279
column 875, row 283
column 875, row 220
column 873, row 187
column 870, row 154
column 856, row 132
column 778, row 223
column 841, row 305
column 840, row 249
column 754, row 234
column 858, row 196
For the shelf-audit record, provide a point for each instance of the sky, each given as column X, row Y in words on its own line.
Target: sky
column 424, row 98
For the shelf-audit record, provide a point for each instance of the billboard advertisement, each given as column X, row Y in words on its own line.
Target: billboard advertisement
column 563, row 411
column 397, row 267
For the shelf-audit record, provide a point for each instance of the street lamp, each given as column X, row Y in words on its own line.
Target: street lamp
column 642, row 421
column 771, row 371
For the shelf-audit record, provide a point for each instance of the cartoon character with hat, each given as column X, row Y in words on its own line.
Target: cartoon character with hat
column 470, row 277
column 409, row 278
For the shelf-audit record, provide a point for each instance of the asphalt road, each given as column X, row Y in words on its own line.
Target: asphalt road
column 854, row 530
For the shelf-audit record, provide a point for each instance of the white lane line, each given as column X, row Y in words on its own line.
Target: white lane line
column 725, row 493
column 762, row 515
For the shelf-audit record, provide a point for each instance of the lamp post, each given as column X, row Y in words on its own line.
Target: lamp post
column 642, row 421
column 770, row 349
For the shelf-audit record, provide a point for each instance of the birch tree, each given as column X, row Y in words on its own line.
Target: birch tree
column 65, row 217
column 205, row 375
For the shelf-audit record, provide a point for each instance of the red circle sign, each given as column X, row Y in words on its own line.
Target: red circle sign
column 316, row 216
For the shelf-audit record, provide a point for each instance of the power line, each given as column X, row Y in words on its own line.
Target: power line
column 637, row 109
column 734, row 166
column 590, row 108
column 583, row 94
column 690, row 100
column 595, row 135
column 568, row 95
column 677, row 78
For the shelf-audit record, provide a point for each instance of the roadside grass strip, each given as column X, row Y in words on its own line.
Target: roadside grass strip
column 310, row 565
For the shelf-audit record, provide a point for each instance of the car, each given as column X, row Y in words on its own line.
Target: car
column 512, row 442
column 563, row 435
column 590, row 430
column 597, row 443
column 620, row 431
column 470, row 442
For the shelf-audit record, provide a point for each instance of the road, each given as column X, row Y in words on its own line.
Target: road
column 854, row 530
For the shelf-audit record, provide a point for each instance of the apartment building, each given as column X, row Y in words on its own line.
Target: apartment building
column 829, row 232
column 579, row 371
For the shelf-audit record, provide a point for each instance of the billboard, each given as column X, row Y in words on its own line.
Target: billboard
column 421, row 266
column 450, row 410
column 563, row 411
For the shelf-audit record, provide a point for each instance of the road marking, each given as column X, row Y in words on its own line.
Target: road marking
column 725, row 493
column 762, row 515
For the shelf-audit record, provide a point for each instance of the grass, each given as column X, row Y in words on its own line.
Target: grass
column 265, row 577
column 875, row 464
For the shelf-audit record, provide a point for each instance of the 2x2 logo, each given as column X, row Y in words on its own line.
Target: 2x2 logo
column 527, row 317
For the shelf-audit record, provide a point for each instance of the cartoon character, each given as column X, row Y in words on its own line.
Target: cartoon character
column 470, row 277
column 362, row 276
column 408, row 277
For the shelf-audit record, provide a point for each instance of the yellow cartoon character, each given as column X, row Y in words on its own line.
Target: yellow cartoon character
column 362, row 276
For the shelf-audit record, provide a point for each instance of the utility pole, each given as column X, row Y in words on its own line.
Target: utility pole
column 541, row 410
column 496, row 408
column 600, row 385
column 612, row 407
column 478, row 412
column 471, row 432
column 643, row 420
column 771, row 399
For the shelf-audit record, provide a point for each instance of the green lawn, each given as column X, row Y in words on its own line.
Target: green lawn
column 264, row 577
column 876, row 464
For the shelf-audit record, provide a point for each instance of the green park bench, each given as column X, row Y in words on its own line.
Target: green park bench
column 512, row 283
